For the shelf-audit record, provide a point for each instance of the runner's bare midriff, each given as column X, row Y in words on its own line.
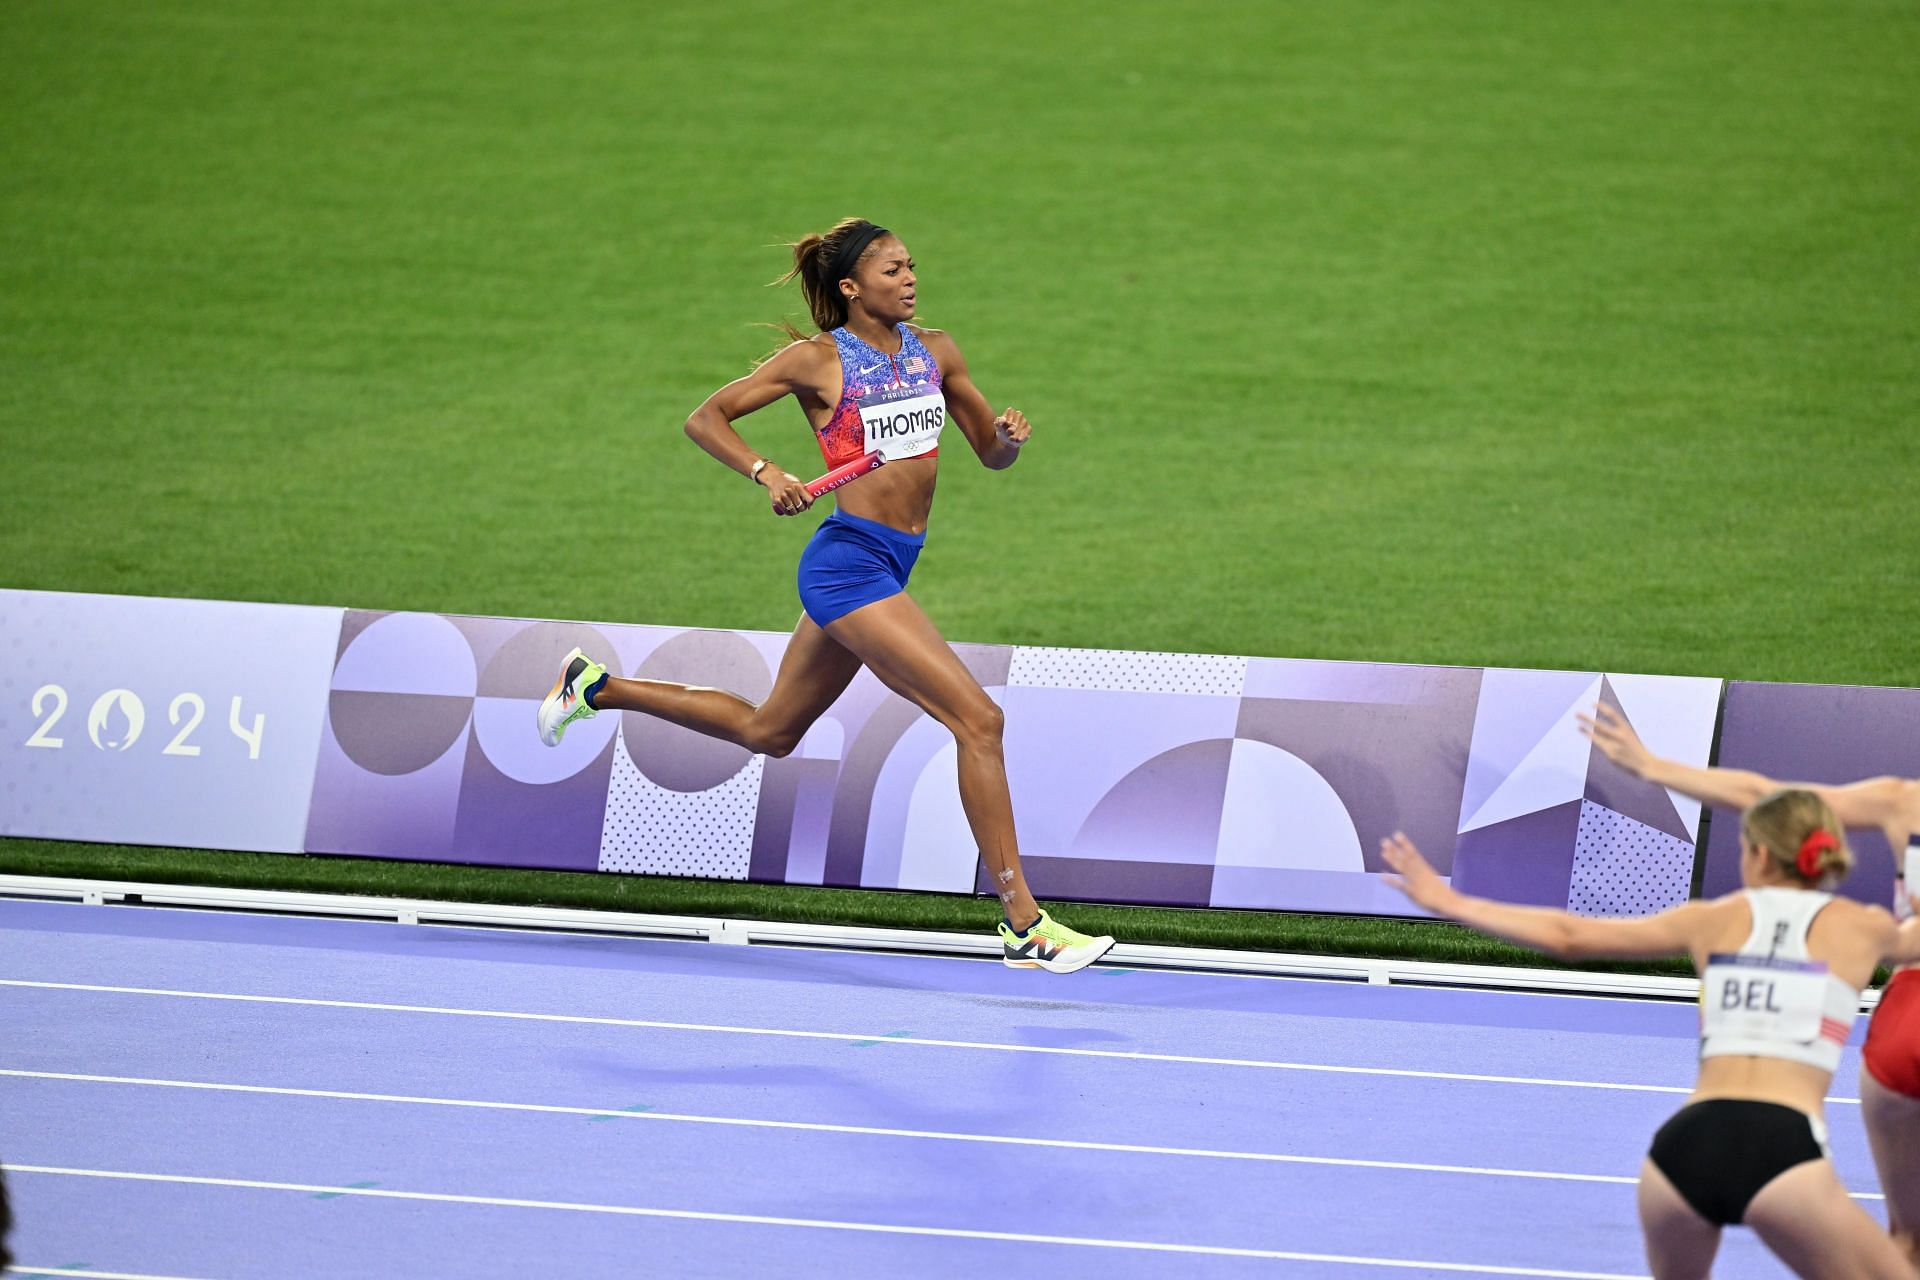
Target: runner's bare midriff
column 898, row 495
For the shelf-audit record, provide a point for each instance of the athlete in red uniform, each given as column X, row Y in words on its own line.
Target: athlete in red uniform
column 1890, row 1063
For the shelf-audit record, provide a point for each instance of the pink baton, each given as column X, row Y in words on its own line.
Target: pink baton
column 845, row 472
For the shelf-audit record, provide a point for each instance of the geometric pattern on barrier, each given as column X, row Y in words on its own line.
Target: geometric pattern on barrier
column 1528, row 753
column 1626, row 868
column 682, row 759
column 1177, row 779
column 1125, row 671
column 429, row 749
column 1532, row 776
column 897, row 821
column 394, row 745
column 1119, row 761
column 917, row 833
column 1259, row 783
column 656, row 830
column 394, row 717
column 430, row 752
column 1172, row 778
column 1329, row 758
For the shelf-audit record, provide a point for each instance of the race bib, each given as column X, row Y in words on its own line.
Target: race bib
column 1755, row 998
column 903, row 422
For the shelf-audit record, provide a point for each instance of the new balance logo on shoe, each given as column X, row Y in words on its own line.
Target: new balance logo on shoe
column 1038, row 948
column 1051, row 946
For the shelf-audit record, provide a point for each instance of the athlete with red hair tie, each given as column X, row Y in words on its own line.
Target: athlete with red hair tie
column 1890, row 1063
column 878, row 391
column 1782, row 962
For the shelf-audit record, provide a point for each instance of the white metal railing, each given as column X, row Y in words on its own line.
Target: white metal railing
column 862, row 937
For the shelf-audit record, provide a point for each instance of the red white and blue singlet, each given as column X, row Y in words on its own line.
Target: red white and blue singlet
column 891, row 404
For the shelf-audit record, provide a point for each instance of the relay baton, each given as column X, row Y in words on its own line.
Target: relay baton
column 844, row 473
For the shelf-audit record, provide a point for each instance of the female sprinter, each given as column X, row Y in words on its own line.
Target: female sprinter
column 1890, row 1064
column 868, row 381
column 1782, row 963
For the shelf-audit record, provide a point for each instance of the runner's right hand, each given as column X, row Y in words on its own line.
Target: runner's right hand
column 790, row 496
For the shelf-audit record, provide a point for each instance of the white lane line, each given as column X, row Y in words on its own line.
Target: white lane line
column 884, row 1038
column 828, row 1224
column 1071, row 1144
column 19, row 1271
column 1128, row 1148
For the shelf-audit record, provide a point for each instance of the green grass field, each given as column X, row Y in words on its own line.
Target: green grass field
column 1487, row 332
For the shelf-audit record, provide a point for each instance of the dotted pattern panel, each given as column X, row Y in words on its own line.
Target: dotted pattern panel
column 651, row 830
column 1626, row 868
column 1124, row 671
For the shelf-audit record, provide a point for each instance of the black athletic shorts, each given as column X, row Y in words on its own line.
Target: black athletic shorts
column 1718, row 1154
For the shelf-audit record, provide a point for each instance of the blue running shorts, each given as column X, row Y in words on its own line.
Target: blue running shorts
column 850, row 562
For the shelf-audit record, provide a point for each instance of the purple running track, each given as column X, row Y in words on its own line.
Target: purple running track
column 638, row 1118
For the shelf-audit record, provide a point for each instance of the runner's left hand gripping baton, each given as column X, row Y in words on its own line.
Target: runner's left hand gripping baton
column 845, row 473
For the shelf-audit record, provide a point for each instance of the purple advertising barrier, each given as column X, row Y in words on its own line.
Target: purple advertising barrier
column 431, row 752
column 1816, row 733
column 1178, row 779
column 1546, row 819
column 1170, row 779
column 153, row 721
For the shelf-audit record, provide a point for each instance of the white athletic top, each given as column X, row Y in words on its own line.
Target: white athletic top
column 1771, row 1000
column 1908, row 878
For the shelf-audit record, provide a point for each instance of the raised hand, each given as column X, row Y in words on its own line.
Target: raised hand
column 1013, row 428
column 1616, row 739
column 1416, row 877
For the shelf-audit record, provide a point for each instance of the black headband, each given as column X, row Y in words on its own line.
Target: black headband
column 849, row 252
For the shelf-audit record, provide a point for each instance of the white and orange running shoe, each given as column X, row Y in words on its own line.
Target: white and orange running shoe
column 1048, row 944
column 568, row 700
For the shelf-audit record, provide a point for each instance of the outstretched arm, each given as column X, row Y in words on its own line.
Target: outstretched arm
column 997, row 438
column 1734, row 788
column 1875, row 802
column 1557, row 933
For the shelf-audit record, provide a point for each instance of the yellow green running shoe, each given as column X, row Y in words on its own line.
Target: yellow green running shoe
column 568, row 702
column 1048, row 944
